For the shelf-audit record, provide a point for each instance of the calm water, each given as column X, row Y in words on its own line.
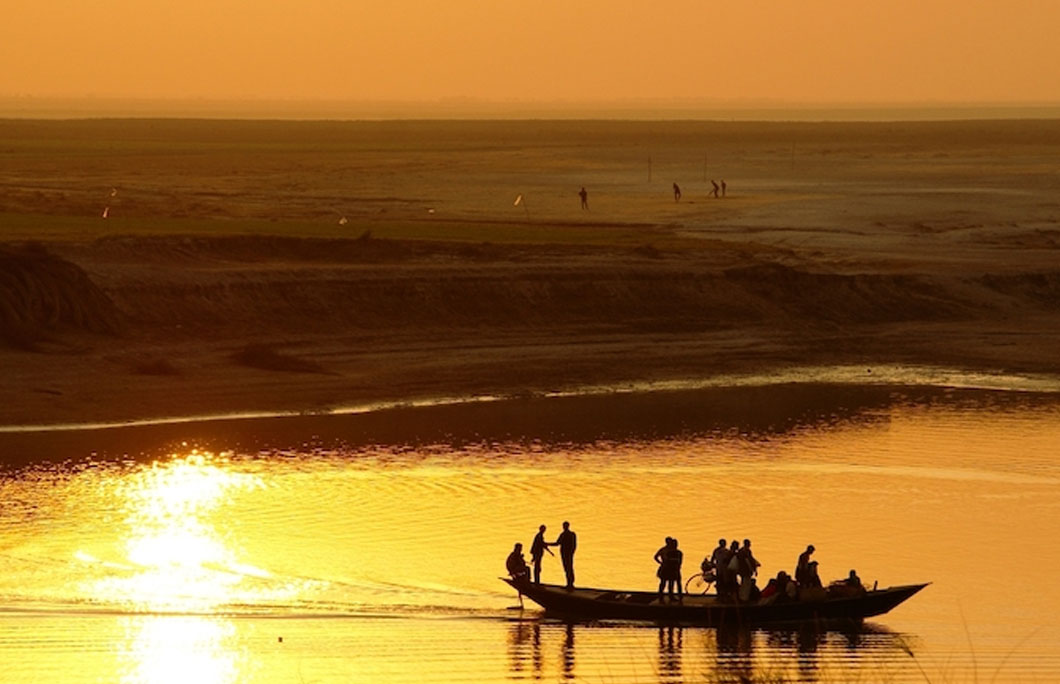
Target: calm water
column 366, row 548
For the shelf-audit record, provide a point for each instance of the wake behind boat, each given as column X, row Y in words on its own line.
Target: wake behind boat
column 706, row 609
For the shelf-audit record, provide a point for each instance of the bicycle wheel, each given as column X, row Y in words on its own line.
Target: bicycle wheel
column 697, row 584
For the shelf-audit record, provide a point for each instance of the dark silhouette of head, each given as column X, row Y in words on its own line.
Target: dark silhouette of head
column 541, row 529
column 566, row 525
column 747, row 542
column 518, row 547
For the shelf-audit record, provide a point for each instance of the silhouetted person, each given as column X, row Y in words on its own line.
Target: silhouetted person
column 677, row 193
column 848, row 586
column 585, row 198
column 748, row 563
column 749, row 591
column 669, row 558
column 674, row 558
column 802, row 567
column 720, row 559
column 813, row 580
column 716, row 188
column 567, row 543
column 722, row 187
column 516, row 564
column 537, row 552
column 661, row 557
column 779, row 589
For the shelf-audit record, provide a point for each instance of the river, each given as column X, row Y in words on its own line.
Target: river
column 366, row 547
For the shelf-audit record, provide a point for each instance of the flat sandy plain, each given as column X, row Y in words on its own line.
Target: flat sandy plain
column 261, row 266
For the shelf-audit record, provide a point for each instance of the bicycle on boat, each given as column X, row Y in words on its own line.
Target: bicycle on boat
column 702, row 581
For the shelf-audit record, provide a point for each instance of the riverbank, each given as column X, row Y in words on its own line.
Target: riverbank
column 286, row 266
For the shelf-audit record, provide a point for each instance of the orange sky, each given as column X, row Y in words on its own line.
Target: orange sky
column 572, row 50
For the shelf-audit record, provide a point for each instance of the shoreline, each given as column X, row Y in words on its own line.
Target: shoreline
column 755, row 412
column 912, row 377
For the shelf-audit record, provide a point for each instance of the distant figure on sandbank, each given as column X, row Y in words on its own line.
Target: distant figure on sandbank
column 716, row 188
column 722, row 187
column 585, row 198
column 677, row 193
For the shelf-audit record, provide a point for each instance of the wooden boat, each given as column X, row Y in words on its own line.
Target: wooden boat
column 609, row 604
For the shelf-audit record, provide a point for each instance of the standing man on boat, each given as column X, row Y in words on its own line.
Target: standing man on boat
column 662, row 557
column 567, row 543
column 720, row 560
column 537, row 552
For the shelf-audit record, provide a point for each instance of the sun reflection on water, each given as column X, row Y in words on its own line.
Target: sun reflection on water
column 181, row 649
column 176, row 553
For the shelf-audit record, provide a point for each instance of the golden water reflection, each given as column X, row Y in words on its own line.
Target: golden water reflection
column 181, row 649
column 178, row 566
column 172, row 539
column 541, row 649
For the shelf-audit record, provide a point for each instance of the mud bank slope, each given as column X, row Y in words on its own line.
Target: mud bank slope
column 176, row 325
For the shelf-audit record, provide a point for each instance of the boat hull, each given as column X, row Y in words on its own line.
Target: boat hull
column 707, row 610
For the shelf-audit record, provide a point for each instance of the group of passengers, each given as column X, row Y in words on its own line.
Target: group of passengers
column 567, row 541
column 734, row 568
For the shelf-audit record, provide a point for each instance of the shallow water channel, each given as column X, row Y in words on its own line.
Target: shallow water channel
column 367, row 547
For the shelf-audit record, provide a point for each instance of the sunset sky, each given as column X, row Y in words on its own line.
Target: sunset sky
column 840, row 51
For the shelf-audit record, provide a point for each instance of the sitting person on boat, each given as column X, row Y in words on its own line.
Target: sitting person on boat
column 811, row 589
column 810, row 578
column 850, row 586
column 779, row 589
column 516, row 564
column 749, row 591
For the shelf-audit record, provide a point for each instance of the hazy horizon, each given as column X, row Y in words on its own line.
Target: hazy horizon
column 472, row 108
column 593, row 52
